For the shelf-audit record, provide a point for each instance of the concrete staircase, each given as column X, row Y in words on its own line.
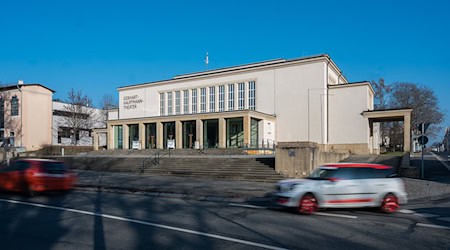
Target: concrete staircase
column 236, row 167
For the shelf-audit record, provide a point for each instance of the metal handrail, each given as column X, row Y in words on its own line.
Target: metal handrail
column 154, row 160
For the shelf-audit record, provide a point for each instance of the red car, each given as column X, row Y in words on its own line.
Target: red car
column 31, row 176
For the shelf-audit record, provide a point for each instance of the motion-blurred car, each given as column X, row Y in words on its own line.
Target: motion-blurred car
column 344, row 185
column 31, row 176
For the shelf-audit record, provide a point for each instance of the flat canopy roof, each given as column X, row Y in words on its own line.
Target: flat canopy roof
column 387, row 115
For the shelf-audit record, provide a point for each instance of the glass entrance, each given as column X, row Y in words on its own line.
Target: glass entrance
column 254, row 131
column 189, row 137
column 118, row 137
column 235, row 132
column 210, row 133
column 150, row 135
column 133, row 136
column 169, row 133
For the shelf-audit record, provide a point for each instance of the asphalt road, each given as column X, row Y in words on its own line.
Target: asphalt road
column 100, row 220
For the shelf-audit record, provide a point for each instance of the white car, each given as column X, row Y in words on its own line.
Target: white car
column 343, row 185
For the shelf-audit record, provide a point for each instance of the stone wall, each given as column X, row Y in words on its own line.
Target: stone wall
column 298, row 159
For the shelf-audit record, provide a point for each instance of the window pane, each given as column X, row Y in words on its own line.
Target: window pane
column 221, row 98
column 194, row 101
column 186, row 101
column 203, row 100
column 230, row 97
column 162, row 104
column 252, row 95
column 212, row 99
column 177, row 102
column 169, row 103
column 241, row 95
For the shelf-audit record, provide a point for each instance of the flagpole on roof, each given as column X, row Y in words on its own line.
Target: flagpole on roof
column 206, row 60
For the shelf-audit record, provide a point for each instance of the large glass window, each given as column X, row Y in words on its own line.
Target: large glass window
column 169, row 103
column 162, row 104
column 202, row 100
column 186, row 101
column 241, row 96
column 251, row 95
column 14, row 106
column 212, row 99
column 194, row 101
column 177, row 102
column 230, row 97
column 221, row 98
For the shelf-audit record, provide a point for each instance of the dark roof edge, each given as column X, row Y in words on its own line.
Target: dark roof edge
column 24, row 85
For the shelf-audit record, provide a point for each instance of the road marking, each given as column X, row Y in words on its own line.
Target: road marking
column 215, row 236
column 445, row 219
column 441, row 161
column 245, row 205
column 432, row 226
column 425, row 215
column 406, row 211
column 337, row 215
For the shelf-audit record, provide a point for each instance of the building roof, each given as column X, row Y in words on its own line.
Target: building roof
column 263, row 64
column 11, row 87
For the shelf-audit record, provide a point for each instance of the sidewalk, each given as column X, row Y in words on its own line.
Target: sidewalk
column 216, row 189
column 179, row 187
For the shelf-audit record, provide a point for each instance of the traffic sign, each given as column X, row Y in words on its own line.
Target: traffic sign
column 422, row 127
column 423, row 139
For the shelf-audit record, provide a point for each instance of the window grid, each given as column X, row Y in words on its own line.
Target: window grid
column 221, row 98
column 212, row 99
column 194, row 101
column 241, row 95
column 162, row 104
column 202, row 100
column 177, row 102
column 252, row 95
column 230, row 97
column 169, row 103
column 14, row 106
column 186, row 101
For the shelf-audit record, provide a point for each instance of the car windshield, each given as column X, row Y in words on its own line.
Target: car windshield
column 322, row 173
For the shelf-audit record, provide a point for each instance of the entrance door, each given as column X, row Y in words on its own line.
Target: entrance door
column 211, row 133
column 118, row 137
column 133, row 137
column 150, row 135
column 169, row 132
column 189, row 137
column 235, row 132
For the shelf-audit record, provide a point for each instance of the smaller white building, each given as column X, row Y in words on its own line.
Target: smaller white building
column 63, row 134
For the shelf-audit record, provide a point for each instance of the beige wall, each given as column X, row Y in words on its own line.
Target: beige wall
column 37, row 117
column 347, row 125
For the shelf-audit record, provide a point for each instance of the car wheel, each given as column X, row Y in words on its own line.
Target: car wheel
column 307, row 204
column 389, row 204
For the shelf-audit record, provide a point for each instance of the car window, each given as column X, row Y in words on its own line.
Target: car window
column 54, row 167
column 345, row 173
column 19, row 166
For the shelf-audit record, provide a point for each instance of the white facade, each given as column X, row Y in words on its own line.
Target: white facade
column 306, row 99
column 62, row 133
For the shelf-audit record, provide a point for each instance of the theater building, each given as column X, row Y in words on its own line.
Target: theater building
column 253, row 106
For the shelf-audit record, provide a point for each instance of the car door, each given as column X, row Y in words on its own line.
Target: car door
column 339, row 189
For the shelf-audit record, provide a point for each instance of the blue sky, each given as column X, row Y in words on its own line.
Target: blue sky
column 97, row 46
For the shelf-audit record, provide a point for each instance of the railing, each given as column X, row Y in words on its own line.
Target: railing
column 153, row 160
column 266, row 146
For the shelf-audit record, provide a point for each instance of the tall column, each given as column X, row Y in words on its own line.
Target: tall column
column 247, row 130
column 178, row 134
column 110, row 137
column 159, row 135
column 199, row 131
column 222, row 133
column 95, row 140
column 407, row 133
column 126, row 135
column 142, row 135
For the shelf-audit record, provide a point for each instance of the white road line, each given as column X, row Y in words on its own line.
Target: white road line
column 245, row 205
column 447, row 219
column 215, row 236
column 337, row 215
column 441, row 161
column 432, row 226
column 425, row 215
column 406, row 211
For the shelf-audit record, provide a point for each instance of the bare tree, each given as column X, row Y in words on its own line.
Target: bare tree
column 422, row 100
column 79, row 115
column 382, row 92
column 106, row 103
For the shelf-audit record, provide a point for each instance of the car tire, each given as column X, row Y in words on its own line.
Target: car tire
column 307, row 204
column 389, row 204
